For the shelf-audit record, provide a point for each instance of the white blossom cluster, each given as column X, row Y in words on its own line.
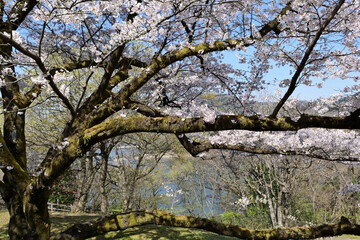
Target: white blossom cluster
column 194, row 110
column 291, row 218
column 327, row 143
column 171, row 192
column 242, row 203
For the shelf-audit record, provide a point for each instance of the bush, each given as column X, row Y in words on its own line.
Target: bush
column 64, row 189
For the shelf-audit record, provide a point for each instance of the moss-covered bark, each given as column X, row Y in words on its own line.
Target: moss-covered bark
column 17, row 224
column 172, row 124
column 138, row 218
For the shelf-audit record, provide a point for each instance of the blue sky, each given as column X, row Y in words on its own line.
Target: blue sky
column 330, row 87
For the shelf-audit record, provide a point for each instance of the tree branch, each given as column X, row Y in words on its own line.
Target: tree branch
column 306, row 56
column 139, row 218
column 2, row 10
column 42, row 67
column 19, row 12
column 195, row 148
column 161, row 62
column 11, row 167
column 144, row 109
column 355, row 114
column 172, row 124
column 36, row 88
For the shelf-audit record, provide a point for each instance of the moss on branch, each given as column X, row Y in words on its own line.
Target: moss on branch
column 121, row 125
column 137, row 218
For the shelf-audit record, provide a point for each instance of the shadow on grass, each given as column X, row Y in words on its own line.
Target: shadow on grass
column 61, row 221
column 150, row 232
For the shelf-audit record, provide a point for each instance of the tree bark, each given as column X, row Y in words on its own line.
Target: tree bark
column 29, row 217
column 17, row 223
column 37, row 215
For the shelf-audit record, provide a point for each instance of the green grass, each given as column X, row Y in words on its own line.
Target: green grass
column 149, row 232
column 4, row 219
column 350, row 236
column 61, row 221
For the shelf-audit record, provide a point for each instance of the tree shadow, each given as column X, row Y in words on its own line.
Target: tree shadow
column 61, row 221
column 155, row 232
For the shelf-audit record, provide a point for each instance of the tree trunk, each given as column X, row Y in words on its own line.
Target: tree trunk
column 37, row 216
column 279, row 206
column 105, row 154
column 85, row 183
column 103, row 173
column 80, row 204
column 17, row 225
column 29, row 216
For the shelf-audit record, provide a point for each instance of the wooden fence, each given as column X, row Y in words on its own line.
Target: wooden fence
column 59, row 207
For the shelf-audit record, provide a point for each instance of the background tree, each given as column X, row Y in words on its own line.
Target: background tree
column 137, row 157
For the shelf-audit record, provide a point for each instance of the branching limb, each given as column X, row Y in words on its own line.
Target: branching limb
column 139, row 218
column 42, row 67
column 103, row 92
column 36, row 88
column 163, row 61
column 135, row 62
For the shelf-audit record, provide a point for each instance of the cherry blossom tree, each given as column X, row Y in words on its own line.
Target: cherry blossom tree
column 158, row 61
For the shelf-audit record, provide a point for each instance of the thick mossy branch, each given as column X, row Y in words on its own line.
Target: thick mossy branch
column 137, row 218
column 120, row 125
column 11, row 166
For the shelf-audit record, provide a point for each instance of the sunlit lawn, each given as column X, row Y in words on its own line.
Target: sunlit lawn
column 61, row 221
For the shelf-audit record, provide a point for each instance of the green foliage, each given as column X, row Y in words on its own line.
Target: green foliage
column 253, row 217
column 64, row 189
column 229, row 217
column 118, row 207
